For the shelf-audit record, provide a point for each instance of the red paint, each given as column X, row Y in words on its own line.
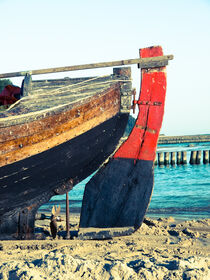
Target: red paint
column 142, row 142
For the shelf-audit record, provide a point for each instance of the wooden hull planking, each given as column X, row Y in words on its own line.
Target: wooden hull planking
column 46, row 153
column 29, row 183
column 21, row 140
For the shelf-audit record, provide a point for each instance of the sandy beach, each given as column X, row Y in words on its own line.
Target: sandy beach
column 161, row 249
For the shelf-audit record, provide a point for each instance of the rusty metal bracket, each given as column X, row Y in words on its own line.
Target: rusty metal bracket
column 149, row 103
column 153, row 131
column 65, row 187
column 135, row 102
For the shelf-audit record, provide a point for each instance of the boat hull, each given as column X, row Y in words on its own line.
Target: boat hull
column 29, row 183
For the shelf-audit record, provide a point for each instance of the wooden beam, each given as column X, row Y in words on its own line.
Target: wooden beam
column 148, row 62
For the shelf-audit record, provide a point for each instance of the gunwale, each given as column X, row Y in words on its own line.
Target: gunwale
column 10, row 118
column 16, row 143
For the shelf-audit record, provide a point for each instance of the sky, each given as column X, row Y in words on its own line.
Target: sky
column 47, row 33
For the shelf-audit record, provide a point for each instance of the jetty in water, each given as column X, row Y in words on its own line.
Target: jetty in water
column 183, row 139
column 182, row 157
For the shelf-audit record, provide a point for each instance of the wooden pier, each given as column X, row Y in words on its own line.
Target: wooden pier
column 181, row 157
column 184, row 139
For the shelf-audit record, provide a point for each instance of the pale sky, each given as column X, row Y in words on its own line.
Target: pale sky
column 47, row 33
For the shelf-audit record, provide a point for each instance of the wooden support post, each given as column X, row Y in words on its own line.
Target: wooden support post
column 173, row 158
column 125, row 88
column 205, row 157
column 23, row 224
column 193, row 157
column 166, row 158
column 160, row 159
column 27, row 85
column 184, row 157
column 178, row 159
column 67, row 216
column 198, row 157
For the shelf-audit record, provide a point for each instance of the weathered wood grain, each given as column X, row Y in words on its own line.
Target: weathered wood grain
column 118, row 195
column 17, row 143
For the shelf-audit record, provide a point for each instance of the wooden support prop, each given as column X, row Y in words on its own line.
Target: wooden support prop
column 67, row 216
column 147, row 62
column 24, row 230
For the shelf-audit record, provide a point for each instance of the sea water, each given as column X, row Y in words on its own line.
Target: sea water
column 181, row 191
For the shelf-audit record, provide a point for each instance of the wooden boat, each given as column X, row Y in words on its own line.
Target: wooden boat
column 59, row 133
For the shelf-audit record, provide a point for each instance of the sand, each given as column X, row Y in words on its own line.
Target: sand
column 160, row 249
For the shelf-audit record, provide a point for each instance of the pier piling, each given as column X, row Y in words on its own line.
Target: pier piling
column 193, row 157
column 166, row 158
column 184, row 157
column 205, row 157
column 198, row 157
column 178, row 159
column 173, row 158
column 181, row 158
column 160, row 159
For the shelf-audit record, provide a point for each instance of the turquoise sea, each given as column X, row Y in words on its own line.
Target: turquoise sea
column 181, row 191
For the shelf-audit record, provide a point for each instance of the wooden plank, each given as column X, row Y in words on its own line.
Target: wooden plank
column 148, row 62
